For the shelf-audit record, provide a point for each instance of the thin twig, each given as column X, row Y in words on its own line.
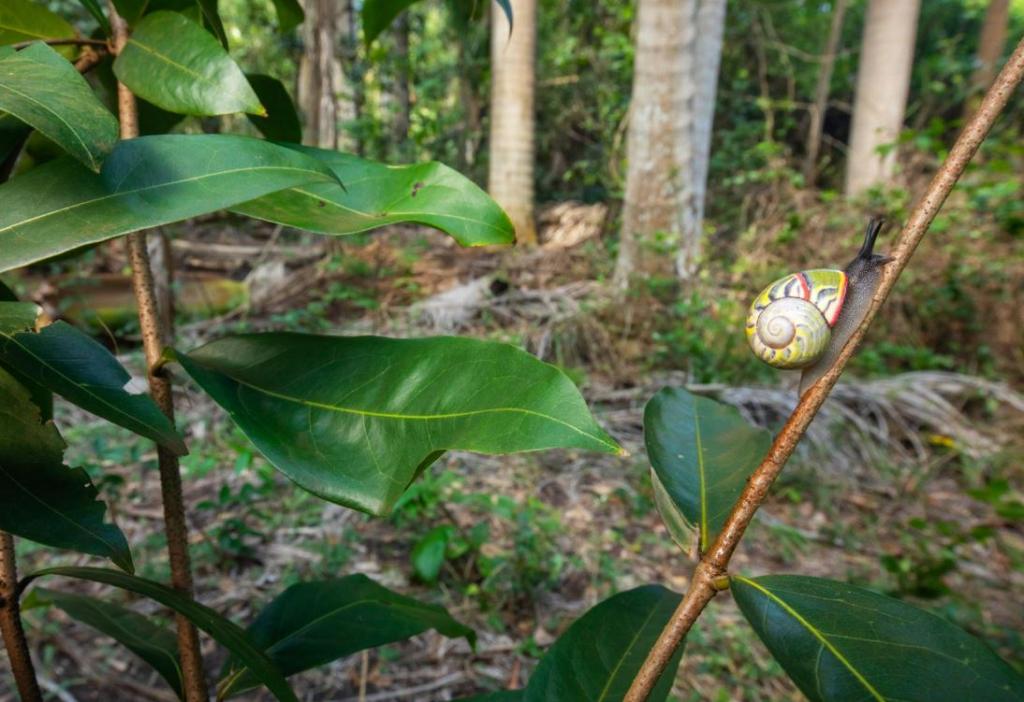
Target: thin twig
column 10, row 625
column 714, row 565
column 160, row 387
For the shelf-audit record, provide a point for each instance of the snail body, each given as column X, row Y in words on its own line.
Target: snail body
column 803, row 320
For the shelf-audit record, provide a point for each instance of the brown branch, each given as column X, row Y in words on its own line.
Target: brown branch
column 10, row 625
column 708, row 574
column 160, row 387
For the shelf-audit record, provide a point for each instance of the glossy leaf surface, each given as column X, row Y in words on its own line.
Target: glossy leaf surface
column 355, row 419
column 702, row 452
column 41, row 499
column 375, row 195
column 841, row 643
column 177, row 65
column 220, row 629
column 596, row 659
column 311, row 624
column 156, row 645
column 282, row 121
column 71, row 364
column 61, row 206
column 24, row 20
column 43, row 90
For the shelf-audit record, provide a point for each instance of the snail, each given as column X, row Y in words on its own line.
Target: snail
column 802, row 321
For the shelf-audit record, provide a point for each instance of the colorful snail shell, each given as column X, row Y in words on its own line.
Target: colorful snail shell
column 804, row 319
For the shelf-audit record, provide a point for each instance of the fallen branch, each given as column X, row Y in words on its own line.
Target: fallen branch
column 708, row 576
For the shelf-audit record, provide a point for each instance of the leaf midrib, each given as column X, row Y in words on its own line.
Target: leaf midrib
column 418, row 417
column 618, row 665
column 816, row 633
column 165, row 184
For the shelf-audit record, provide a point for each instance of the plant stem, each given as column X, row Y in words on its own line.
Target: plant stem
column 10, row 624
column 160, row 387
column 715, row 561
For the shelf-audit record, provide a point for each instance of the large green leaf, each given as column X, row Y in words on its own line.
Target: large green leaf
column 702, row 452
column 156, row 645
column 24, row 20
column 176, row 64
column 289, row 14
column 841, row 643
column 70, row 363
column 18, row 317
column 601, row 653
column 220, row 629
column 145, row 182
column 355, row 419
column 311, row 624
column 282, row 121
column 41, row 499
column 375, row 195
column 43, row 90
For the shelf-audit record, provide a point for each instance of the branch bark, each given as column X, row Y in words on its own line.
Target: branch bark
column 160, row 387
column 715, row 562
column 10, row 625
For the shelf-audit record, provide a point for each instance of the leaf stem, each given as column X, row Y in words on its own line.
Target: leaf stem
column 715, row 561
column 10, row 625
column 160, row 387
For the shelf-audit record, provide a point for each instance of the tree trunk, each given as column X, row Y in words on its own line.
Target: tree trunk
column 675, row 74
column 883, row 81
column 510, row 178
column 828, row 63
column 403, row 97
column 325, row 98
column 990, row 49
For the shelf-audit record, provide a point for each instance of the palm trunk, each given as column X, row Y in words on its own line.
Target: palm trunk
column 510, row 178
column 883, row 82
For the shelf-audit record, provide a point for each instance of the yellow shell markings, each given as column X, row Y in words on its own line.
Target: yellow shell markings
column 789, row 325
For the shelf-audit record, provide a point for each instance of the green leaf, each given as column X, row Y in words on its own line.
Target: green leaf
column 282, row 121
column 601, row 653
column 212, row 17
column 96, row 11
column 41, row 499
column 23, row 20
column 289, row 14
column 311, row 624
column 156, row 645
column 131, row 10
column 501, row 696
column 703, row 452
column 42, row 89
column 17, row 316
column 220, row 629
column 429, row 553
column 841, row 643
column 375, row 195
column 145, row 182
column 354, row 419
column 679, row 528
column 377, row 15
column 175, row 64
column 70, row 363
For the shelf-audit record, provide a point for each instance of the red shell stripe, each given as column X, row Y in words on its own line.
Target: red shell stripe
column 805, row 285
column 840, row 299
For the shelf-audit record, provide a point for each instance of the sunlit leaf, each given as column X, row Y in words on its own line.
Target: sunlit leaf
column 177, row 65
column 841, row 643
column 145, row 182
column 289, row 14
column 24, row 20
column 355, row 419
column 375, row 195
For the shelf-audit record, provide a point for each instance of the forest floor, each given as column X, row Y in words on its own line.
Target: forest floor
column 936, row 525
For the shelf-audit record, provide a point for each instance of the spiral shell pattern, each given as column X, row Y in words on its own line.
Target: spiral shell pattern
column 790, row 322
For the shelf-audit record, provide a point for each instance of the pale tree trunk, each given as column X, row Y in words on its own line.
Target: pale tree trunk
column 828, row 63
column 883, row 82
column 403, row 97
column 325, row 97
column 990, row 49
column 510, row 178
column 675, row 75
